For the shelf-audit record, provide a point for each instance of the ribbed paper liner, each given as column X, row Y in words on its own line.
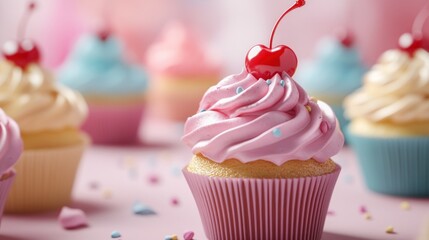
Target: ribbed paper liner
column 113, row 124
column 44, row 179
column 395, row 166
column 5, row 185
column 238, row 208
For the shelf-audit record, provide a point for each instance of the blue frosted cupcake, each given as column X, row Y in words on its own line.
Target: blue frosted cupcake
column 335, row 72
column 389, row 128
column 114, row 89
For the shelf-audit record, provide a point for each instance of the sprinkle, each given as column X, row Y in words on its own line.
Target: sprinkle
column 239, row 90
column 313, row 99
column 175, row 201
column 71, row 218
column 282, row 83
column 362, row 209
column 405, row 206
column 115, row 234
column 203, row 110
column 171, row 237
column 390, row 230
column 141, row 209
column 153, row 179
column 107, row 194
column 367, row 216
column 308, row 108
column 93, row 185
column 268, row 82
column 277, row 132
column 323, row 127
column 331, row 213
column 188, row 235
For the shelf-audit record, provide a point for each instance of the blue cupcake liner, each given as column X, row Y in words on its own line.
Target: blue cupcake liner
column 394, row 166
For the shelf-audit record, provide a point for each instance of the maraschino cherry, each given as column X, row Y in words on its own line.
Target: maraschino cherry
column 265, row 62
column 346, row 38
column 411, row 42
column 22, row 52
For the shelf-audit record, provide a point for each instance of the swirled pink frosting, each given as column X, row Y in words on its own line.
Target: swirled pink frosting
column 254, row 119
column 180, row 53
column 10, row 142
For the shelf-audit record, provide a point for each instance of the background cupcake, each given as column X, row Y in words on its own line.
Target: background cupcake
column 114, row 89
column 390, row 123
column 49, row 116
column 10, row 150
column 182, row 69
column 335, row 72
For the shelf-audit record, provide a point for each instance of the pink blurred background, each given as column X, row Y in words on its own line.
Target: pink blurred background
column 230, row 27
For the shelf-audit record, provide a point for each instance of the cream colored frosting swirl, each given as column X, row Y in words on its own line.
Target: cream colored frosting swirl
column 36, row 102
column 396, row 89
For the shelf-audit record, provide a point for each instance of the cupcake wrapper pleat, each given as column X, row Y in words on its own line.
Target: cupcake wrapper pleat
column 5, row 186
column 113, row 124
column 44, row 179
column 394, row 166
column 237, row 208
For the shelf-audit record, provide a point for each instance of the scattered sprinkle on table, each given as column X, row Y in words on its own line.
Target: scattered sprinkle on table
column 405, row 205
column 331, row 213
column 141, row 209
column 367, row 216
column 107, row 194
column 390, row 230
column 115, row 234
column 153, row 179
column 362, row 209
column 175, row 201
column 171, row 237
column 188, row 235
column 94, row 185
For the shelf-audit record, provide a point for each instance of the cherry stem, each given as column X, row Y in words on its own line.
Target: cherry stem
column 298, row 3
column 420, row 20
column 24, row 20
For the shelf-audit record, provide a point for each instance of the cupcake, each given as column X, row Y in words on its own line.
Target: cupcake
column 335, row 72
column 262, row 166
column 49, row 116
column 10, row 150
column 389, row 127
column 181, row 69
column 114, row 89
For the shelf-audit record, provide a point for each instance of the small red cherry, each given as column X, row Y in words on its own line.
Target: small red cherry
column 23, row 51
column 103, row 35
column 265, row 62
column 410, row 43
column 346, row 38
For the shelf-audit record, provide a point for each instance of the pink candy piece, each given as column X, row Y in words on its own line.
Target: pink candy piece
column 71, row 218
column 188, row 235
column 175, row 201
column 153, row 179
column 362, row 209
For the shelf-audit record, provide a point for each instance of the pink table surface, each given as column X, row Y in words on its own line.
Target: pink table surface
column 123, row 171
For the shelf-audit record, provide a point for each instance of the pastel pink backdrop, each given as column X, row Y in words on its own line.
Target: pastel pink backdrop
column 232, row 27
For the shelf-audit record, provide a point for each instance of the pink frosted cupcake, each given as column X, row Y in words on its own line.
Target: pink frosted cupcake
column 181, row 69
column 10, row 150
column 262, row 165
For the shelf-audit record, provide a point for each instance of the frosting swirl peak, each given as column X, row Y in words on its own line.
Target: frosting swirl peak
column 252, row 119
column 34, row 100
column 396, row 89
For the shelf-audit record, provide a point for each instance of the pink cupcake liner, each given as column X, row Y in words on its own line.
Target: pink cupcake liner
column 5, row 185
column 113, row 124
column 238, row 208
